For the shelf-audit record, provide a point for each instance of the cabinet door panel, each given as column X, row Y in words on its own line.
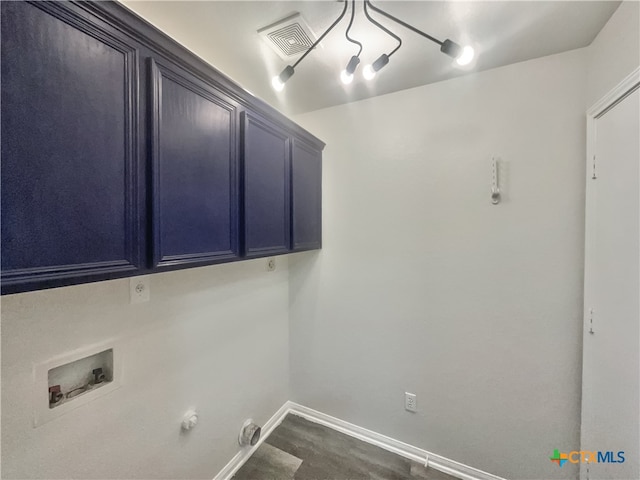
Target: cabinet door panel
column 69, row 148
column 195, row 211
column 266, row 187
column 306, row 196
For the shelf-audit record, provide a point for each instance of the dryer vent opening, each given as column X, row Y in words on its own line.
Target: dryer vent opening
column 249, row 434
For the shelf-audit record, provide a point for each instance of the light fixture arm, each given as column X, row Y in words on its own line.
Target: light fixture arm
column 381, row 27
column 344, row 10
column 346, row 34
column 404, row 24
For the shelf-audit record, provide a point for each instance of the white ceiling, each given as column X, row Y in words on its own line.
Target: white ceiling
column 224, row 33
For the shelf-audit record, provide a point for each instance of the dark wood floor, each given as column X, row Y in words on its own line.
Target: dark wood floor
column 302, row 450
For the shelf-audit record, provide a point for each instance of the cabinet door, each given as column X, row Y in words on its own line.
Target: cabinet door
column 69, row 149
column 195, row 195
column 306, row 196
column 266, row 187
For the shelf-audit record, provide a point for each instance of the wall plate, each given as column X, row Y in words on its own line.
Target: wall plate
column 40, row 395
column 271, row 264
column 140, row 289
column 410, row 402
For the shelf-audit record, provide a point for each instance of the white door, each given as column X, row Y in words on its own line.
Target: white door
column 611, row 352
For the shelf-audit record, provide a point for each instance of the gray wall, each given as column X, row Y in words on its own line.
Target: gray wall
column 424, row 286
column 615, row 52
column 186, row 348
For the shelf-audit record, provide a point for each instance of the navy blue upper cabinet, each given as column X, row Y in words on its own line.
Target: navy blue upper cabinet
column 266, row 174
column 69, row 125
column 194, row 160
column 125, row 154
column 306, row 196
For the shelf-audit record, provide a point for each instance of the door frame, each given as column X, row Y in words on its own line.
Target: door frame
column 625, row 88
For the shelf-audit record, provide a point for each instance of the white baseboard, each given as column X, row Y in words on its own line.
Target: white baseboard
column 437, row 462
column 243, row 455
column 416, row 454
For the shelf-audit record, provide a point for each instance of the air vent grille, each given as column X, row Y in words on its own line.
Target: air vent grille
column 291, row 39
column 288, row 37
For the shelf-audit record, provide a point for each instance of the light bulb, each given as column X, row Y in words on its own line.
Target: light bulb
column 346, row 77
column 277, row 84
column 279, row 80
column 368, row 72
column 466, row 56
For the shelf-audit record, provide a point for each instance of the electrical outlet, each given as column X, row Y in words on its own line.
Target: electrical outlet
column 271, row 264
column 410, row 402
column 139, row 289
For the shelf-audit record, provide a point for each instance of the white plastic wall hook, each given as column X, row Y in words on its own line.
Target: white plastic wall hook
column 495, row 190
column 190, row 420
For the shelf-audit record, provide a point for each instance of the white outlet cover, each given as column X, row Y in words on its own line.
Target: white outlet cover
column 140, row 289
column 410, row 402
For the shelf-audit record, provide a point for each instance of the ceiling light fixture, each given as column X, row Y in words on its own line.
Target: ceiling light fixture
column 347, row 74
column 383, row 59
column 462, row 55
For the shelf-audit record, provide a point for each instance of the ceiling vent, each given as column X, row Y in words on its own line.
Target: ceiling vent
column 289, row 37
